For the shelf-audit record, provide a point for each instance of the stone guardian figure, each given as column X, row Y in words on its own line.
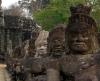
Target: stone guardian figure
column 82, row 45
column 56, row 50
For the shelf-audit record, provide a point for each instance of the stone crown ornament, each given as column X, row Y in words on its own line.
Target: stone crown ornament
column 81, row 9
column 81, row 15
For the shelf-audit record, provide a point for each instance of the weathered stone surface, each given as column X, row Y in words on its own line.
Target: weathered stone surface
column 0, row 3
column 98, row 36
column 81, row 61
column 41, row 44
column 19, row 22
column 55, row 50
column 56, row 41
column 1, row 30
column 26, row 49
column 14, row 31
column 81, row 44
column 38, row 66
column 17, row 52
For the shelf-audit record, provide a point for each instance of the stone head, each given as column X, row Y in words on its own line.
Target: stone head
column 41, row 44
column 81, row 31
column 56, row 40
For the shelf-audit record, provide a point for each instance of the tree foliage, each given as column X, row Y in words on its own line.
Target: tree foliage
column 58, row 12
column 26, row 5
column 96, row 12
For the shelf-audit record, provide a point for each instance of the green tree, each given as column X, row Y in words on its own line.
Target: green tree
column 58, row 12
column 96, row 12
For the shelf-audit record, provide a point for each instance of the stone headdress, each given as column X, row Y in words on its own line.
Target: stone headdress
column 80, row 20
column 59, row 30
column 81, row 15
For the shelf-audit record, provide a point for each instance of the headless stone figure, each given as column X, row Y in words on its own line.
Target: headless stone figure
column 81, row 44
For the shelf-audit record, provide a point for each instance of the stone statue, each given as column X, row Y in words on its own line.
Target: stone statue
column 41, row 44
column 80, row 23
column 81, row 44
column 55, row 41
column 56, row 50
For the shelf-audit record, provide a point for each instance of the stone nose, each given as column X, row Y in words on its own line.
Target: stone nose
column 57, row 42
column 79, row 38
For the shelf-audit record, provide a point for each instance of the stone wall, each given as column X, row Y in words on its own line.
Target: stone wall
column 16, row 22
column 15, row 31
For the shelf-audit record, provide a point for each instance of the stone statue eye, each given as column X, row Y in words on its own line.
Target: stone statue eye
column 85, row 34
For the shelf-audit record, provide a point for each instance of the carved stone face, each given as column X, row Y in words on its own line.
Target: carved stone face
column 56, row 45
column 41, row 44
column 42, row 49
column 79, row 39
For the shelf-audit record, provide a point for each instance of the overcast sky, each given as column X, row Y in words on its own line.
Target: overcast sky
column 7, row 3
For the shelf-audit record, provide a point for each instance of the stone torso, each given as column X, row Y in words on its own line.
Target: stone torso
column 76, row 63
column 39, row 69
column 78, row 67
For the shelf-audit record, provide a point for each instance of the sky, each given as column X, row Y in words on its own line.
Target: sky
column 7, row 3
